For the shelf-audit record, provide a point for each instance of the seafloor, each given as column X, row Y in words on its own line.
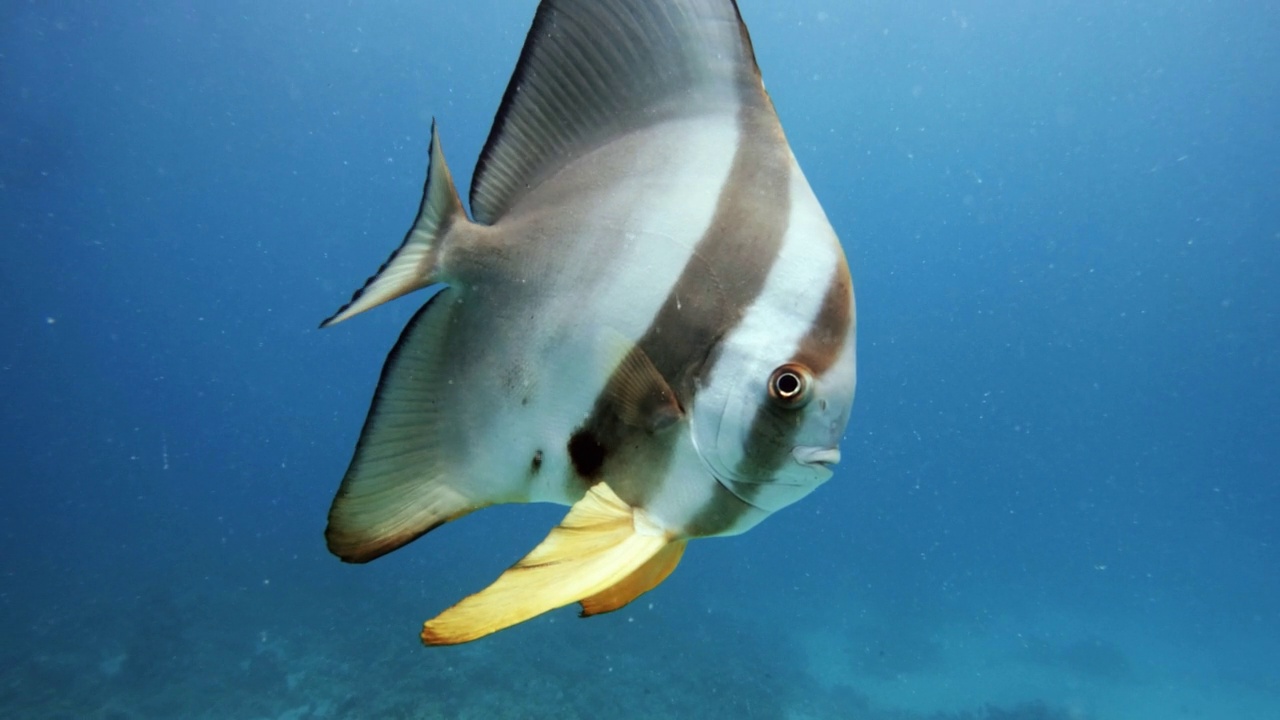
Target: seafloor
column 169, row 657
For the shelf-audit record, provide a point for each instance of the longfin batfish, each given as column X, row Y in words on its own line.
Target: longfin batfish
column 648, row 317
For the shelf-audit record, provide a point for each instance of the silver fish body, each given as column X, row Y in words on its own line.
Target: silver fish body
column 649, row 318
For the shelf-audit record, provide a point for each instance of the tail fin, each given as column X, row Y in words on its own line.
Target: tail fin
column 413, row 265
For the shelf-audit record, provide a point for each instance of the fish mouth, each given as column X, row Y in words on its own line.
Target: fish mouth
column 823, row 457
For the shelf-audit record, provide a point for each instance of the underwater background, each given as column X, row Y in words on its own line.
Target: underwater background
column 1060, row 497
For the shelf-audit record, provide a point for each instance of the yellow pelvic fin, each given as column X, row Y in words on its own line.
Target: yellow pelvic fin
column 646, row 577
column 601, row 542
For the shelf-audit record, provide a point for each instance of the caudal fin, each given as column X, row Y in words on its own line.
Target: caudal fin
column 413, row 265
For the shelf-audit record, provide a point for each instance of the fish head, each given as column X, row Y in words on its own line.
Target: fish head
column 769, row 421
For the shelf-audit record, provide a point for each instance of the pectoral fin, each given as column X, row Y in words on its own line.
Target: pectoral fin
column 641, row 395
column 601, row 542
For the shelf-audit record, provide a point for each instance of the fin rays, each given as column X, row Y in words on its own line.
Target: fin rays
column 601, row 542
column 397, row 486
column 413, row 265
column 595, row 69
column 645, row 578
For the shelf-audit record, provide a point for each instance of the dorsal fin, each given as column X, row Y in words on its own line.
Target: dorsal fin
column 592, row 70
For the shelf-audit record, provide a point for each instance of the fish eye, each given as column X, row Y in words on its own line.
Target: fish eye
column 791, row 385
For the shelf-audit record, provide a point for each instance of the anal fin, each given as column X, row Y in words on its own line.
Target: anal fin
column 400, row 484
column 601, row 542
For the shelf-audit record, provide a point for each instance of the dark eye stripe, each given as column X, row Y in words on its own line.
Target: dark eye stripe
column 772, row 434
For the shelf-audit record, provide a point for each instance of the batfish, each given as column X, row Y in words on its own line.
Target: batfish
column 647, row 317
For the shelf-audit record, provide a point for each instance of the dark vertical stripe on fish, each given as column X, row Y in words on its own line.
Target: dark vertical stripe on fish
column 826, row 336
column 725, row 274
column 731, row 262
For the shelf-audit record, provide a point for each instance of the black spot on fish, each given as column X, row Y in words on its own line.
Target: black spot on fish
column 587, row 453
column 537, row 461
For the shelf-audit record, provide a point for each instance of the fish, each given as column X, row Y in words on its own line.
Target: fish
column 646, row 317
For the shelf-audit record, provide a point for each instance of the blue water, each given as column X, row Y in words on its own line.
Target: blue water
column 1059, row 497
